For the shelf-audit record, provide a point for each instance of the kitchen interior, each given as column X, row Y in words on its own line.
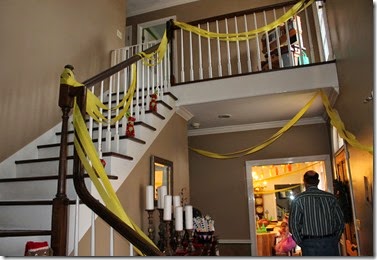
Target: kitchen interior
column 273, row 188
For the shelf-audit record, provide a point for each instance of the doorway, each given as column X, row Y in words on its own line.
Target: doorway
column 153, row 30
column 265, row 200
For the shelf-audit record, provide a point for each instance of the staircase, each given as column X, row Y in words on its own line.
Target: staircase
column 27, row 191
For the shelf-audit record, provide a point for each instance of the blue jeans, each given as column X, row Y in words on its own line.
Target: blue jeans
column 320, row 247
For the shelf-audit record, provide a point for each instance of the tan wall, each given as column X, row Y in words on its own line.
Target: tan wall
column 171, row 144
column 219, row 188
column 351, row 26
column 39, row 37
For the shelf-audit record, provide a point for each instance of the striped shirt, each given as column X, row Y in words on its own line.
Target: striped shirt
column 315, row 212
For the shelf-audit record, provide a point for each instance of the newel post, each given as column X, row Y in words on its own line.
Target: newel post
column 59, row 221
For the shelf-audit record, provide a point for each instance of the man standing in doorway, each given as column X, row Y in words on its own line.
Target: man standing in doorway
column 316, row 219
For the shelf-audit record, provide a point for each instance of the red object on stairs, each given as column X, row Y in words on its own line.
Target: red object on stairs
column 32, row 246
column 153, row 103
column 130, row 131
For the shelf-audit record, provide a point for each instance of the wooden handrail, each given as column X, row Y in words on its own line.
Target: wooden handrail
column 60, row 203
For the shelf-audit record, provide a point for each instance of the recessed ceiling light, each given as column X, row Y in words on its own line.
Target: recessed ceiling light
column 224, row 116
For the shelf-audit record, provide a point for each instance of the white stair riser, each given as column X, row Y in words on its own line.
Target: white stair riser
column 15, row 246
column 41, row 168
column 19, row 217
column 139, row 132
column 36, row 190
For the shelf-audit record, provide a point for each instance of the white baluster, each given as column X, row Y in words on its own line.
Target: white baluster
column 111, row 253
column 228, row 49
column 200, row 56
column 209, row 55
column 239, row 66
column 258, row 44
column 182, row 59
column 219, row 66
column 267, row 42
column 76, row 234
column 93, row 235
column 308, row 29
column 249, row 68
column 277, row 32
column 191, row 59
column 116, row 137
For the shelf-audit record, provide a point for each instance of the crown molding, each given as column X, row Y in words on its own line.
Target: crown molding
column 250, row 127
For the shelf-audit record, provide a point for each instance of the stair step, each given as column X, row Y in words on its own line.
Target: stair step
column 21, row 233
column 71, row 158
column 30, row 202
column 113, row 126
column 122, row 137
column 50, row 166
column 43, row 178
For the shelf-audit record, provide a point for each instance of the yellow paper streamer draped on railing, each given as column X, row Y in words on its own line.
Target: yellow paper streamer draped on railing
column 93, row 104
column 265, row 143
column 250, row 34
column 148, row 59
column 92, row 164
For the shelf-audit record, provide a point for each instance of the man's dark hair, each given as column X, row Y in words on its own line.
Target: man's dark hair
column 311, row 178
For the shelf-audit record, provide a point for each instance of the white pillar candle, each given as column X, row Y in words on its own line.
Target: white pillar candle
column 176, row 201
column 167, row 207
column 162, row 191
column 188, row 217
column 178, row 218
column 149, row 205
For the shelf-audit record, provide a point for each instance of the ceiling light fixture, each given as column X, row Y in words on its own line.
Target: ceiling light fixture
column 224, row 116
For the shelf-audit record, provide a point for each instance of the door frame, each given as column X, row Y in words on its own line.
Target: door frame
column 149, row 24
column 250, row 188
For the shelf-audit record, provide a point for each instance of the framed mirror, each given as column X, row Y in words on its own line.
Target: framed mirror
column 161, row 174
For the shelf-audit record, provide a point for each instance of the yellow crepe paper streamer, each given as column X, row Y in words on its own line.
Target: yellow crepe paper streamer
column 105, row 188
column 274, row 191
column 339, row 125
column 93, row 104
column 68, row 78
column 265, row 143
column 149, row 60
column 250, row 34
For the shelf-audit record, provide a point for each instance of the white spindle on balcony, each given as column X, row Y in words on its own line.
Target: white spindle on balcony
column 220, row 68
column 210, row 75
column 228, row 49
column 249, row 67
column 200, row 55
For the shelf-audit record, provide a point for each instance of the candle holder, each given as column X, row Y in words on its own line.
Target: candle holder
column 161, row 231
column 168, row 250
column 150, row 224
column 179, row 237
column 190, row 246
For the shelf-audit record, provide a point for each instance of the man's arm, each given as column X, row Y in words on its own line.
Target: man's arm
column 295, row 221
column 338, row 219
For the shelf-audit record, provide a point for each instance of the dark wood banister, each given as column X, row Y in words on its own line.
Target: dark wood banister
column 59, row 222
